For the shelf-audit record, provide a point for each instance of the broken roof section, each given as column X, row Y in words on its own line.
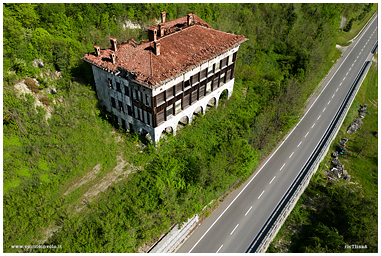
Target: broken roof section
column 184, row 43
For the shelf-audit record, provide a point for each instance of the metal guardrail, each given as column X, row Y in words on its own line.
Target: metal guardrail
column 261, row 241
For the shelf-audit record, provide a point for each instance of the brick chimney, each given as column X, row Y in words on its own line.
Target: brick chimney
column 163, row 15
column 190, row 19
column 154, row 34
column 97, row 50
column 113, row 43
column 113, row 58
column 162, row 29
column 157, row 47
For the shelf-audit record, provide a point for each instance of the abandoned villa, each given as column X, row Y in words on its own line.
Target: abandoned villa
column 154, row 86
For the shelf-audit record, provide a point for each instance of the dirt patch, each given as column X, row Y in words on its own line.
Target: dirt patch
column 88, row 177
column 342, row 48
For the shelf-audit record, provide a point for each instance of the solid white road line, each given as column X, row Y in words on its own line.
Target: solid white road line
column 299, row 144
column 272, row 180
column 282, row 167
column 219, row 249
column 291, row 155
column 261, row 194
column 234, row 229
column 248, row 210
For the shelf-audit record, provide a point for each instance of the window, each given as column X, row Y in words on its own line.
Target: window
column 230, row 61
column 178, row 107
column 148, row 100
column 195, row 79
column 126, row 91
column 110, row 83
column 215, row 83
column 129, row 110
column 160, row 99
column 194, row 96
column 139, row 96
column 224, row 62
column 186, row 84
column 186, row 101
column 160, row 117
column 222, row 76
column 169, row 111
column 210, row 69
column 217, row 66
column 201, row 92
column 113, row 104
column 228, row 75
column 202, row 74
column 179, row 88
column 123, row 124
column 169, row 94
column 120, row 106
column 208, row 87
column 118, row 87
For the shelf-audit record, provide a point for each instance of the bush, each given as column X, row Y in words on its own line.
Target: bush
column 45, row 100
column 348, row 27
column 31, row 85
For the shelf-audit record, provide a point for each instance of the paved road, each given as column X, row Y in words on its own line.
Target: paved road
column 233, row 226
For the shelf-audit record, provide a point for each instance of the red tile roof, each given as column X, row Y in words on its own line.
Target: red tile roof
column 179, row 51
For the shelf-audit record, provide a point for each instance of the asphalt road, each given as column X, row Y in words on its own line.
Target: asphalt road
column 233, row 226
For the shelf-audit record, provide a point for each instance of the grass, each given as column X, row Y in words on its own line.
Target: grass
column 357, row 25
column 360, row 161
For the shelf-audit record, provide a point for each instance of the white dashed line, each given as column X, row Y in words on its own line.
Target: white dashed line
column 340, row 84
column 248, row 210
column 299, row 144
column 313, row 126
column 234, row 229
column 291, row 155
column 343, row 78
column 306, row 134
column 333, row 96
column 318, row 117
column 272, row 180
column 349, row 69
column 347, row 73
column 352, row 64
column 219, row 249
column 324, row 109
column 282, row 167
column 261, row 194
column 337, row 89
column 328, row 102
column 356, row 59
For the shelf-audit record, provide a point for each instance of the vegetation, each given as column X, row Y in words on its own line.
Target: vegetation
column 277, row 69
column 332, row 215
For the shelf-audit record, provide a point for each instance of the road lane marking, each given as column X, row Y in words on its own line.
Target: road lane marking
column 272, row 180
column 333, row 95
column 318, row 117
column 219, row 249
column 282, row 167
column 340, row 83
column 261, row 194
column 355, row 60
column 347, row 73
column 248, row 210
column 328, row 102
column 324, row 109
column 343, row 78
column 306, row 134
column 352, row 64
column 299, row 144
column 256, row 173
column 234, row 229
column 337, row 89
column 291, row 155
column 313, row 126
column 349, row 69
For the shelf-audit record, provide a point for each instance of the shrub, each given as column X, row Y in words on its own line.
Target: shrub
column 31, row 85
column 45, row 101
column 348, row 27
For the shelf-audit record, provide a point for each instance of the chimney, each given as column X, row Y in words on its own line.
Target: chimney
column 157, row 47
column 155, row 34
column 162, row 29
column 163, row 14
column 190, row 19
column 97, row 50
column 113, row 58
column 113, row 43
